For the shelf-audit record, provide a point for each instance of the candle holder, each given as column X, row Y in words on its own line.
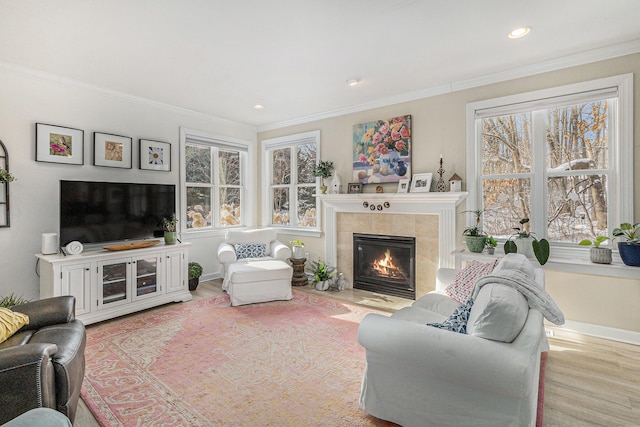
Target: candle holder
column 440, row 185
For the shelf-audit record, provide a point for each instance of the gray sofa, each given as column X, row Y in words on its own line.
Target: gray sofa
column 42, row 365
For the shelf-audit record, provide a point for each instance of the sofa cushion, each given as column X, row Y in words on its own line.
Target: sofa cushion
column 498, row 314
column 10, row 322
column 457, row 322
column 256, row 271
column 250, row 250
column 437, row 302
column 515, row 261
column 462, row 286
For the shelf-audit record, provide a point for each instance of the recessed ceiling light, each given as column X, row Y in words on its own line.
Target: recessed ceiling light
column 519, row 32
column 258, row 107
column 353, row 82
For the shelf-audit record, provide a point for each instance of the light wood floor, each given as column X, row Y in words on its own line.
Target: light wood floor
column 589, row 381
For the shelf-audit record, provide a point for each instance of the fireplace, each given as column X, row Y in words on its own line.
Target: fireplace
column 384, row 264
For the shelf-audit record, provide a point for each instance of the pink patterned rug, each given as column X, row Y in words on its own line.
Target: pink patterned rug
column 204, row 363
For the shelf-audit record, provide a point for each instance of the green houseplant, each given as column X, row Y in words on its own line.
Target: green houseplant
column 490, row 244
column 5, row 176
column 597, row 254
column 11, row 300
column 322, row 274
column 474, row 237
column 297, row 248
column 169, row 226
column 525, row 242
column 323, row 169
column 195, row 271
column 629, row 248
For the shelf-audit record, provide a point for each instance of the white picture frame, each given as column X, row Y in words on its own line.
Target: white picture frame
column 403, row 185
column 421, row 182
column 113, row 151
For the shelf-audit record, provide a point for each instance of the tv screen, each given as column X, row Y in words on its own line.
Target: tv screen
column 100, row 212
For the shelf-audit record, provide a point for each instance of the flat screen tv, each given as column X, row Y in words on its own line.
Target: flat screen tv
column 100, row 212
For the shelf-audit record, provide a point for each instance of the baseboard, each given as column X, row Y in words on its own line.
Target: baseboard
column 210, row 276
column 606, row 332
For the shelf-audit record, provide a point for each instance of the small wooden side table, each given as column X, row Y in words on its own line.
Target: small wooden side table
column 299, row 276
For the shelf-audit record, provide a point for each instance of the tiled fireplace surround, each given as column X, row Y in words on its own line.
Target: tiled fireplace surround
column 430, row 217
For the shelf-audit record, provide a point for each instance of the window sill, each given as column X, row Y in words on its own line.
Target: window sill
column 564, row 264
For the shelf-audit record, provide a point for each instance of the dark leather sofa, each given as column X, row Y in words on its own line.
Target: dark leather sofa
column 42, row 365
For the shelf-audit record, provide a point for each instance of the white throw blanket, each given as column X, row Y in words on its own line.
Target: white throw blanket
column 537, row 297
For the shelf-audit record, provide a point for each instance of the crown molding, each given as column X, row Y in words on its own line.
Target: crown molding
column 580, row 58
column 32, row 73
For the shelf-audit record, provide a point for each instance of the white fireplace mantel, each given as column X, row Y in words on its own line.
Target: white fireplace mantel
column 441, row 204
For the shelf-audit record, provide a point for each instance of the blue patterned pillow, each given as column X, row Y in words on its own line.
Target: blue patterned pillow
column 457, row 322
column 251, row 250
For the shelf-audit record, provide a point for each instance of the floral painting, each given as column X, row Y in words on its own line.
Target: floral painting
column 155, row 155
column 60, row 145
column 382, row 150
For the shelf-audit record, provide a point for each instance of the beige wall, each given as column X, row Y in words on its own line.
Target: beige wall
column 439, row 127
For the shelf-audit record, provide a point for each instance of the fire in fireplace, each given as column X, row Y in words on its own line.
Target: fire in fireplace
column 384, row 264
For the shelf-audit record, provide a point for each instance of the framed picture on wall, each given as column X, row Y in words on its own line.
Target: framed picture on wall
column 421, row 182
column 155, row 155
column 59, row 144
column 112, row 151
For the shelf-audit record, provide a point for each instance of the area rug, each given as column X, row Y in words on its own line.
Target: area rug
column 204, row 363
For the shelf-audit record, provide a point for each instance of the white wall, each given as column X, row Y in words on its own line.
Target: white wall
column 27, row 99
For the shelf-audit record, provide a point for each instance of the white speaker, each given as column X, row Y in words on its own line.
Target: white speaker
column 49, row 243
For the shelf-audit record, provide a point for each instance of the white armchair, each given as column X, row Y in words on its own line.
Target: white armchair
column 254, row 266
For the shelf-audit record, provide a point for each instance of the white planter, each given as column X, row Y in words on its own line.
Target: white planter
column 525, row 246
column 322, row 286
column 600, row 255
column 298, row 252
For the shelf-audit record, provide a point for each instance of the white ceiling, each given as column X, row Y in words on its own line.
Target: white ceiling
column 294, row 56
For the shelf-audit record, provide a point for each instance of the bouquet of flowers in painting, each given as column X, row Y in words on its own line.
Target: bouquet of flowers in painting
column 382, row 150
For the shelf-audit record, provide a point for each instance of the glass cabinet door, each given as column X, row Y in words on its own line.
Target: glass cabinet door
column 114, row 282
column 146, row 276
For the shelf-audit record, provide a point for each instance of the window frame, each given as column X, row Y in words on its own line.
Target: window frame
column 288, row 141
column 620, row 154
column 217, row 143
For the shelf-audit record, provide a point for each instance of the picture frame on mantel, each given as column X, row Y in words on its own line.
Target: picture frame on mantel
column 403, row 185
column 112, row 151
column 155, row 155
column 421, row 182
column 59, row 144
column 354, row 188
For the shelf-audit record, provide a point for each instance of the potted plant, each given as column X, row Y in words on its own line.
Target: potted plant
column 322, row 274
column 5, row 176
column 11, row 300
column 169, row 227
column 195, row 271
column 474, row 237
column 490, row 243
column 630, row 248
column 526, row 244
column 597, row 254
column 323, row 169
column 297, row 247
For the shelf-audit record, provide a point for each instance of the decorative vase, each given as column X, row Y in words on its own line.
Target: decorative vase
column 600, row 255
column 630, row 253
column 170, row 237
column 475, row 243
column 298, row 252
column 524, row 246
column 401, row 168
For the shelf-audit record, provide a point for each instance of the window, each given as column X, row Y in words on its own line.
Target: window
column 561, row 157
column 290, row 184
column 213, row 183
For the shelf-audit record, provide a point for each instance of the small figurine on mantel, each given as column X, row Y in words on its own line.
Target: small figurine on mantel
column 455, row 183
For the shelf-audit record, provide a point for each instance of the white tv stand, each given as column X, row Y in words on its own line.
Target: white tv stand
column 109, row 284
